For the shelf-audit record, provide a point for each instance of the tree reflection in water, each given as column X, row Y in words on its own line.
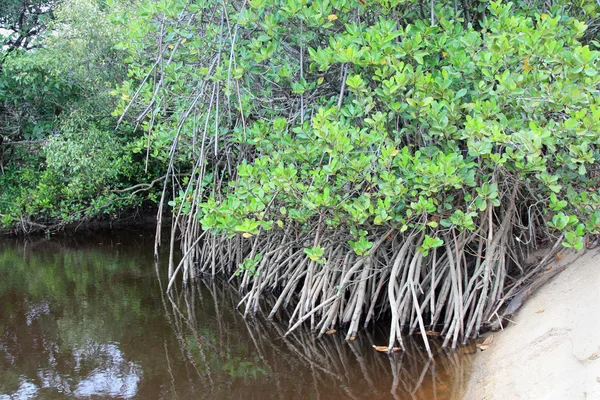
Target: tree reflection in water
column 86, row 317
column 300, row 365
column 57, row 323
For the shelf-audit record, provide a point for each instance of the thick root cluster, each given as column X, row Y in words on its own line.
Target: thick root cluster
column 455, row 290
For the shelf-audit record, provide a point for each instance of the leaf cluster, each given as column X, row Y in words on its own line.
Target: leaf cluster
column 362, row 117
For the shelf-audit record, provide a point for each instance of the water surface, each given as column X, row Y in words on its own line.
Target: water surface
column 86, row 317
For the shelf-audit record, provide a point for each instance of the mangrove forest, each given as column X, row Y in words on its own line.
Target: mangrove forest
column 412, row 164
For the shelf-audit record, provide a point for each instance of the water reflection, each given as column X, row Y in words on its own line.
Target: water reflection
column 87, row 318
column 58, row 321
column 300, row 366
column 113, row 377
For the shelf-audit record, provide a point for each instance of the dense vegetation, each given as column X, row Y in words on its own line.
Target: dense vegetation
column 61, row 159
column 359, row 159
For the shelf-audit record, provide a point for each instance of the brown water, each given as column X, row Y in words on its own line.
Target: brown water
column 86, row 317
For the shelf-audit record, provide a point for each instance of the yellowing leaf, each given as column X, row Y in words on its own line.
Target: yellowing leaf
column 381, row 348
column 184, row 40
column 444, row 54
column 125, row 97
column 395, row 152
column 526, row 66
column 331, row 332
column 351, row 339
column 539, row 311
column 170, row 46
column 332, row 17
column 383, row 62
column 320, row 80
column 247, row 234
column 486, row 343
column 544, row 16
column 488, row 340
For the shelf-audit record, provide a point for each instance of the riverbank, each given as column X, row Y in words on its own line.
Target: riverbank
column 145, row 220
column 552, row 349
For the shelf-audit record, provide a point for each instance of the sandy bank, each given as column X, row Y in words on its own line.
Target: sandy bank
column 552, row 351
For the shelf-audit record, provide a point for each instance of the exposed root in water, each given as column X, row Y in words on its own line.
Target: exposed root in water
column 456, row 290
column 331, row 360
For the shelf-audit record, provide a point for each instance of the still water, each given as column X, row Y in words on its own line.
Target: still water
column 86, row 317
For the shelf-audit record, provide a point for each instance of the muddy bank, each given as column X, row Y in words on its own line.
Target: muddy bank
column 552, row 350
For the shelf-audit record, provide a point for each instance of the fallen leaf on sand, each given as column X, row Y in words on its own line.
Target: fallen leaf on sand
column 539, row 311
column 488, row 340
column 559, row 256
column 331, row 332
column 486, row 343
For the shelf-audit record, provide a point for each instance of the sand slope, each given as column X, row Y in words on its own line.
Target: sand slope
column 553, row 350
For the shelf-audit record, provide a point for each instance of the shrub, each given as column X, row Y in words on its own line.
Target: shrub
column 62, row 158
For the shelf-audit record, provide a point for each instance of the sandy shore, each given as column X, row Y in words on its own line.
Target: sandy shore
column 552, row 351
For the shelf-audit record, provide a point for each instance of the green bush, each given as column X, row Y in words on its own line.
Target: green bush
column 62, row 158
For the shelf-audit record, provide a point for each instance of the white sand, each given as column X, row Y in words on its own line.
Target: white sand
column 553, row 349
